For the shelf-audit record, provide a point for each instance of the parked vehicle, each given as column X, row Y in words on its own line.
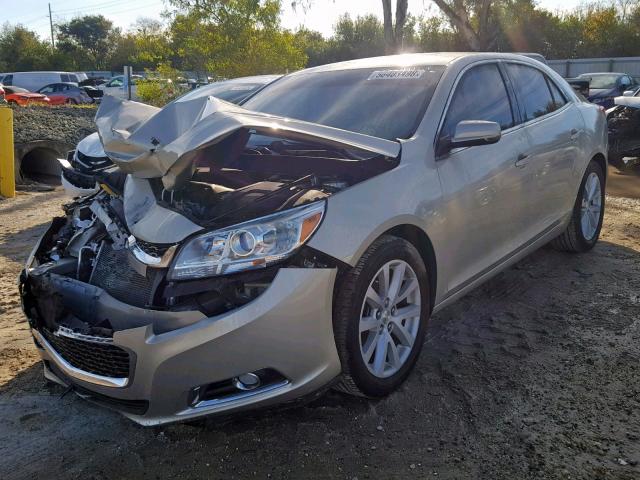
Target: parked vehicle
column 95, row 93
column 23, row 97
column 604, row 87
column 115, row 87
column 33, row 81
column 88, row 159
column 624, row 132
column 258, row 254
column 65, row 93
column 580, row 85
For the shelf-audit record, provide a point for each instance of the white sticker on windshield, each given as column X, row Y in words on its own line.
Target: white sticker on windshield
column 405, row 73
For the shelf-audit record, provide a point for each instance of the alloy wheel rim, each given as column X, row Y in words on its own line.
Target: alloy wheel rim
column 390, row 318
column 591, row 206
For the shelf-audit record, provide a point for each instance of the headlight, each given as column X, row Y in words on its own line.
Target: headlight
column 254, row 244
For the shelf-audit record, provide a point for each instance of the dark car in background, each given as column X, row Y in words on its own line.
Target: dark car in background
column 604, row 87
column 65, row 93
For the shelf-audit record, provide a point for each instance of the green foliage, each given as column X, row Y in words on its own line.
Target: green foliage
column 160, row 87
column 89, row 39
column 231, row 38
column 21, row 49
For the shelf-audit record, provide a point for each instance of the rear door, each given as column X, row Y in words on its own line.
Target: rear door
column 554, row 128
column 484, row 195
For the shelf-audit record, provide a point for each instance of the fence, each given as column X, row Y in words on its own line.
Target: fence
column 574, row 67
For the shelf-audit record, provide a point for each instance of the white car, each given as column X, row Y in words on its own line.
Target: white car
column 116, row 87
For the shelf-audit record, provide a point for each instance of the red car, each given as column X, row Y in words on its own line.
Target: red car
column 22, row 96
column 69, row 93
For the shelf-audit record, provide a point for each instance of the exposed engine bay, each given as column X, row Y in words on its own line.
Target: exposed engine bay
column 91, row 255
column 193, row 224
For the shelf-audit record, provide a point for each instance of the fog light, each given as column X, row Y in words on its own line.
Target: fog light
column 246, row 381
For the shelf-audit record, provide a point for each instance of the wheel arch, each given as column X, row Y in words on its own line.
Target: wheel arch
column 601, row 160
column 419, row 239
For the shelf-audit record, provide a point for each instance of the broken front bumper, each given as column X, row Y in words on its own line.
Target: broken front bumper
column 287, row 329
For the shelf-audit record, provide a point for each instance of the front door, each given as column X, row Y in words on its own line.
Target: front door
column 483, row 191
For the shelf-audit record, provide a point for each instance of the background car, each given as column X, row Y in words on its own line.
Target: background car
column 35, row 80
column 624, row 132
column 23, row 97
column 115, row 86
column 69, row 93
column 604, row 87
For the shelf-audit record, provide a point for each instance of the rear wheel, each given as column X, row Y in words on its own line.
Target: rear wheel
column 380, row 317
column 583, row 230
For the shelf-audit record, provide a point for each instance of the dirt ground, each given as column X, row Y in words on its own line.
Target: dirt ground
column 533, row 376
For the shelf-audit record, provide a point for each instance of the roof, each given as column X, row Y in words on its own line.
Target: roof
column 600, row 74
column 254, row 79
column 410, row 59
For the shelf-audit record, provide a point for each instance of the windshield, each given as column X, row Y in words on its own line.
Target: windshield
column 381, row 102
column 602, row 82
column 231, row 92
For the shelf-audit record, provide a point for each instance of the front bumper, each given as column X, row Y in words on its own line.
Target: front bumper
column 287, row 329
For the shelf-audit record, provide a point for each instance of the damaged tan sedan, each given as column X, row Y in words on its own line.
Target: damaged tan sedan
column 244, row 256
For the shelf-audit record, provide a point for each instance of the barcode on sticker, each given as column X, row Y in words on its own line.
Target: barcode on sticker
column 396, row 74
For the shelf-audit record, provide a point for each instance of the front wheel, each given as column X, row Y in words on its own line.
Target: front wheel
column 583, row 230
column 380, row 317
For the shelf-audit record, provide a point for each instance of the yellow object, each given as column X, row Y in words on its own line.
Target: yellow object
column 7, row 165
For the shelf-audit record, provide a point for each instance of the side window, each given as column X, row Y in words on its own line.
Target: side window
column 559, row 99
column 73, row 78
column 8, row 80
column 532, row 90
column 64, row 77
column 116, row 82
column 480, row 95
column 47, row 89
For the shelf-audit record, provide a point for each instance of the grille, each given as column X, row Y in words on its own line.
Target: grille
column 91, row 164
column 155, row 249
column 113, row 273
column 98, row 358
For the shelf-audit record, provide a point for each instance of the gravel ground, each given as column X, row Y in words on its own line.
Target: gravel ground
column 534, row 375
column 67, row 124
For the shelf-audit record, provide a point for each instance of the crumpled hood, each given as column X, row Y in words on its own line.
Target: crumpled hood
column 149, row 142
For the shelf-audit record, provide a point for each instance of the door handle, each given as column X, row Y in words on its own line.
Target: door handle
column 523, row 160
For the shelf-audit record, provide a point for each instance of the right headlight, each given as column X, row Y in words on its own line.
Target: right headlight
column 249, row 245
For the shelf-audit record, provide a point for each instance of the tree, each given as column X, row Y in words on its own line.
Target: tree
column 90, row 36
column 473, row 20
column 394, row 32
column 22, row 50
column 233, row 37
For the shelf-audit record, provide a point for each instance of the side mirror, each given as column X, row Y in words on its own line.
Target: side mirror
column 471, row 133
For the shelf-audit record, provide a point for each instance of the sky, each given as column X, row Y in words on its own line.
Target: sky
column 322, row 16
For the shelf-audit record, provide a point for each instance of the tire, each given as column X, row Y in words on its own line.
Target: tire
column 574, row 239
column 358, row 377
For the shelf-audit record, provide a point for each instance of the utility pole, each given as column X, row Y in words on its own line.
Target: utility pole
column 53, row 45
